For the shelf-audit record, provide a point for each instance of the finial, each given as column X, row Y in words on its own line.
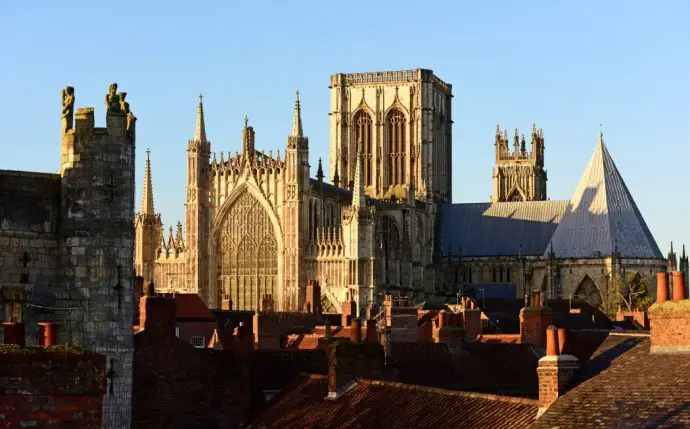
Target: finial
column 246, row 121
column 201, row 98
column 297, row 94
column 319, row 172
column 148, row 154
column 601, row 133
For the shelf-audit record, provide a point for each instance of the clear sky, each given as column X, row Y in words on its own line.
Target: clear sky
column 566, row 65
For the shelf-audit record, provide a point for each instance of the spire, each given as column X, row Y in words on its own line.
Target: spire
column 358, row 188
column 336, row 176
column 200, row 132
column 147, row 197
column 297, row 121
column 319, row 172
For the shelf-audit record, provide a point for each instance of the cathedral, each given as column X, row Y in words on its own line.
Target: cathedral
column 259, row 228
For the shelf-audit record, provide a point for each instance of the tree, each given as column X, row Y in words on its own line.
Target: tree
column 632, row 292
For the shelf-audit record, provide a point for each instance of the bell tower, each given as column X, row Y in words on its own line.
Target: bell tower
column 519, row 175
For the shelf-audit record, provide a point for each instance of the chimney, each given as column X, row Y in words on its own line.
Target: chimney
column 313, row 299
column 349, row 311
column 372, row 335
column 356, row 330
column 555, row 370
column 452, row 336
column 668, row 320
column 535, row 317
column 348, row 361
column 401, row 317
column 14, row 333
column 661, row 287
column 472, row 320
column 157, row 313
column 49, row 334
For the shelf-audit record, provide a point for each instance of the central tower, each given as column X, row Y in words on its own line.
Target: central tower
column 400, row 124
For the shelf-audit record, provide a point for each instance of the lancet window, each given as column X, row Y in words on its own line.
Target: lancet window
column 395, row 132
column 364, row 140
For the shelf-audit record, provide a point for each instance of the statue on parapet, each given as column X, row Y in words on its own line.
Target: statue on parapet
column 124, row 108
column 67, row 108
column 112, row 99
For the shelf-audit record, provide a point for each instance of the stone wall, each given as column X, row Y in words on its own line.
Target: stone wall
column 50, row 388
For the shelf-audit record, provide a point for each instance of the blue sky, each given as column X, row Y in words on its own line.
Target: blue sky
column 566, row 65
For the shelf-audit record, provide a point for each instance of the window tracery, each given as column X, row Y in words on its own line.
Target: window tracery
column 363, row 138
column 395, row 131
column 247, row 255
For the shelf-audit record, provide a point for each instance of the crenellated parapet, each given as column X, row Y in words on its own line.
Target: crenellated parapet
column 520, row 152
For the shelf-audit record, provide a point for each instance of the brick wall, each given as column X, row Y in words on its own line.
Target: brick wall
column 533, row 324
column 268, row 328
column 55, row 387
column 555, row 374
column 348, row 361
column 669, row 326
column 403, row 324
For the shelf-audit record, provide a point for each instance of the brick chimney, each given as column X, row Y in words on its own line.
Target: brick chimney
column 313, row 299
column 401, row 318
column 349, row 310
column 157, row 313
column 348, row 361
column 669, row 320
column 472, row 319
column 555, row 370
column 356, row 330
column 535, row 317
column 372, row 335
column 661, row 287
column 449, row 333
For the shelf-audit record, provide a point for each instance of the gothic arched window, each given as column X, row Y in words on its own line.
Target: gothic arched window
column 364, row 144
column 247, row 255
column 395, row 156
column 589, row 291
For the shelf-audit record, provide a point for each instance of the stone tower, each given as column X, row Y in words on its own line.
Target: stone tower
column 295, row 221
column 197, row 207
column 520, row 175
column 400, row 123
column 97, row 245
column 148, row 230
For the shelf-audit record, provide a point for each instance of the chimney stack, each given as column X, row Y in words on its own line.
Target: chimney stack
column 356, row 330
column 157, row 313
column 372, row 335
column 401, row 317
column 555, row 370
column 534, row 319
column 14, row 333
column 669, row 319
column 349, row 311
column 348, row 361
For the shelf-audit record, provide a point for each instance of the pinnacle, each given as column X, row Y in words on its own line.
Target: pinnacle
column 297, row 121
column 200, row 131
column 147, row 196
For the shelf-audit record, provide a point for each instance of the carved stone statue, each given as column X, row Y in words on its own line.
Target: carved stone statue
column 67, row 108
column 124, row 106
column 112, row 99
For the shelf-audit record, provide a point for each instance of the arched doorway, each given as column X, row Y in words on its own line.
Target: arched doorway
column 589, row 291
column 247, row 255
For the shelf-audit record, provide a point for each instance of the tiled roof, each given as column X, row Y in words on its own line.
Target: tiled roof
column 499, row 229
column 624, row 386
column 310, row 340
column 492, row 368
column 499, row 338
column 377, row 404
column 190, row 306
column 602, row 215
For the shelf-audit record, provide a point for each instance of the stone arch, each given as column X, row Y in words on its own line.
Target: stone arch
column 363, row 136
column 588, row 291
column 516, row 194
column 246, row 250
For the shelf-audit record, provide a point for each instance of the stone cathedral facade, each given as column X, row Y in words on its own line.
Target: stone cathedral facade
column 258, row 227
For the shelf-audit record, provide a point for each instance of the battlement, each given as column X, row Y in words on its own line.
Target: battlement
column 412, row 75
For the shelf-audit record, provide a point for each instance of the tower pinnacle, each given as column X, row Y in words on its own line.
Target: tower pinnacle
column 147, row 197
column 358, row 188
column 297, row 121
column 200, row 131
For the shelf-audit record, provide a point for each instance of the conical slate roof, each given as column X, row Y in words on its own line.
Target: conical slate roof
column 602, row 215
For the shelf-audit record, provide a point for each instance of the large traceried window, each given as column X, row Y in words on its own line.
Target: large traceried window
column 395, row 157
column 247, row 255
column 365, row 142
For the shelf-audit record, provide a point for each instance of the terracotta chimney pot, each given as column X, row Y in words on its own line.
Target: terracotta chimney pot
column 561, row 340
column 552, row 341
column 14, row 333
column 678, row 286
column 356, row 330
column 49, row 333
column 661, row 287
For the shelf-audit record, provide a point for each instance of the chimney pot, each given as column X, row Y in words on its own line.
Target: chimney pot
column 526, row 300
column 661, row 287
column 441, row 319
column 356, row 330
column 371, row 331
column 561, row 340
column 49, row 333
column 552, row 341
column 678, row 286
column 14, row 333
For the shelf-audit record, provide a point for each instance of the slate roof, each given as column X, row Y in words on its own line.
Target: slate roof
column 378, row 404
column 602, row 215
column 499, row 229
column 624, row 386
